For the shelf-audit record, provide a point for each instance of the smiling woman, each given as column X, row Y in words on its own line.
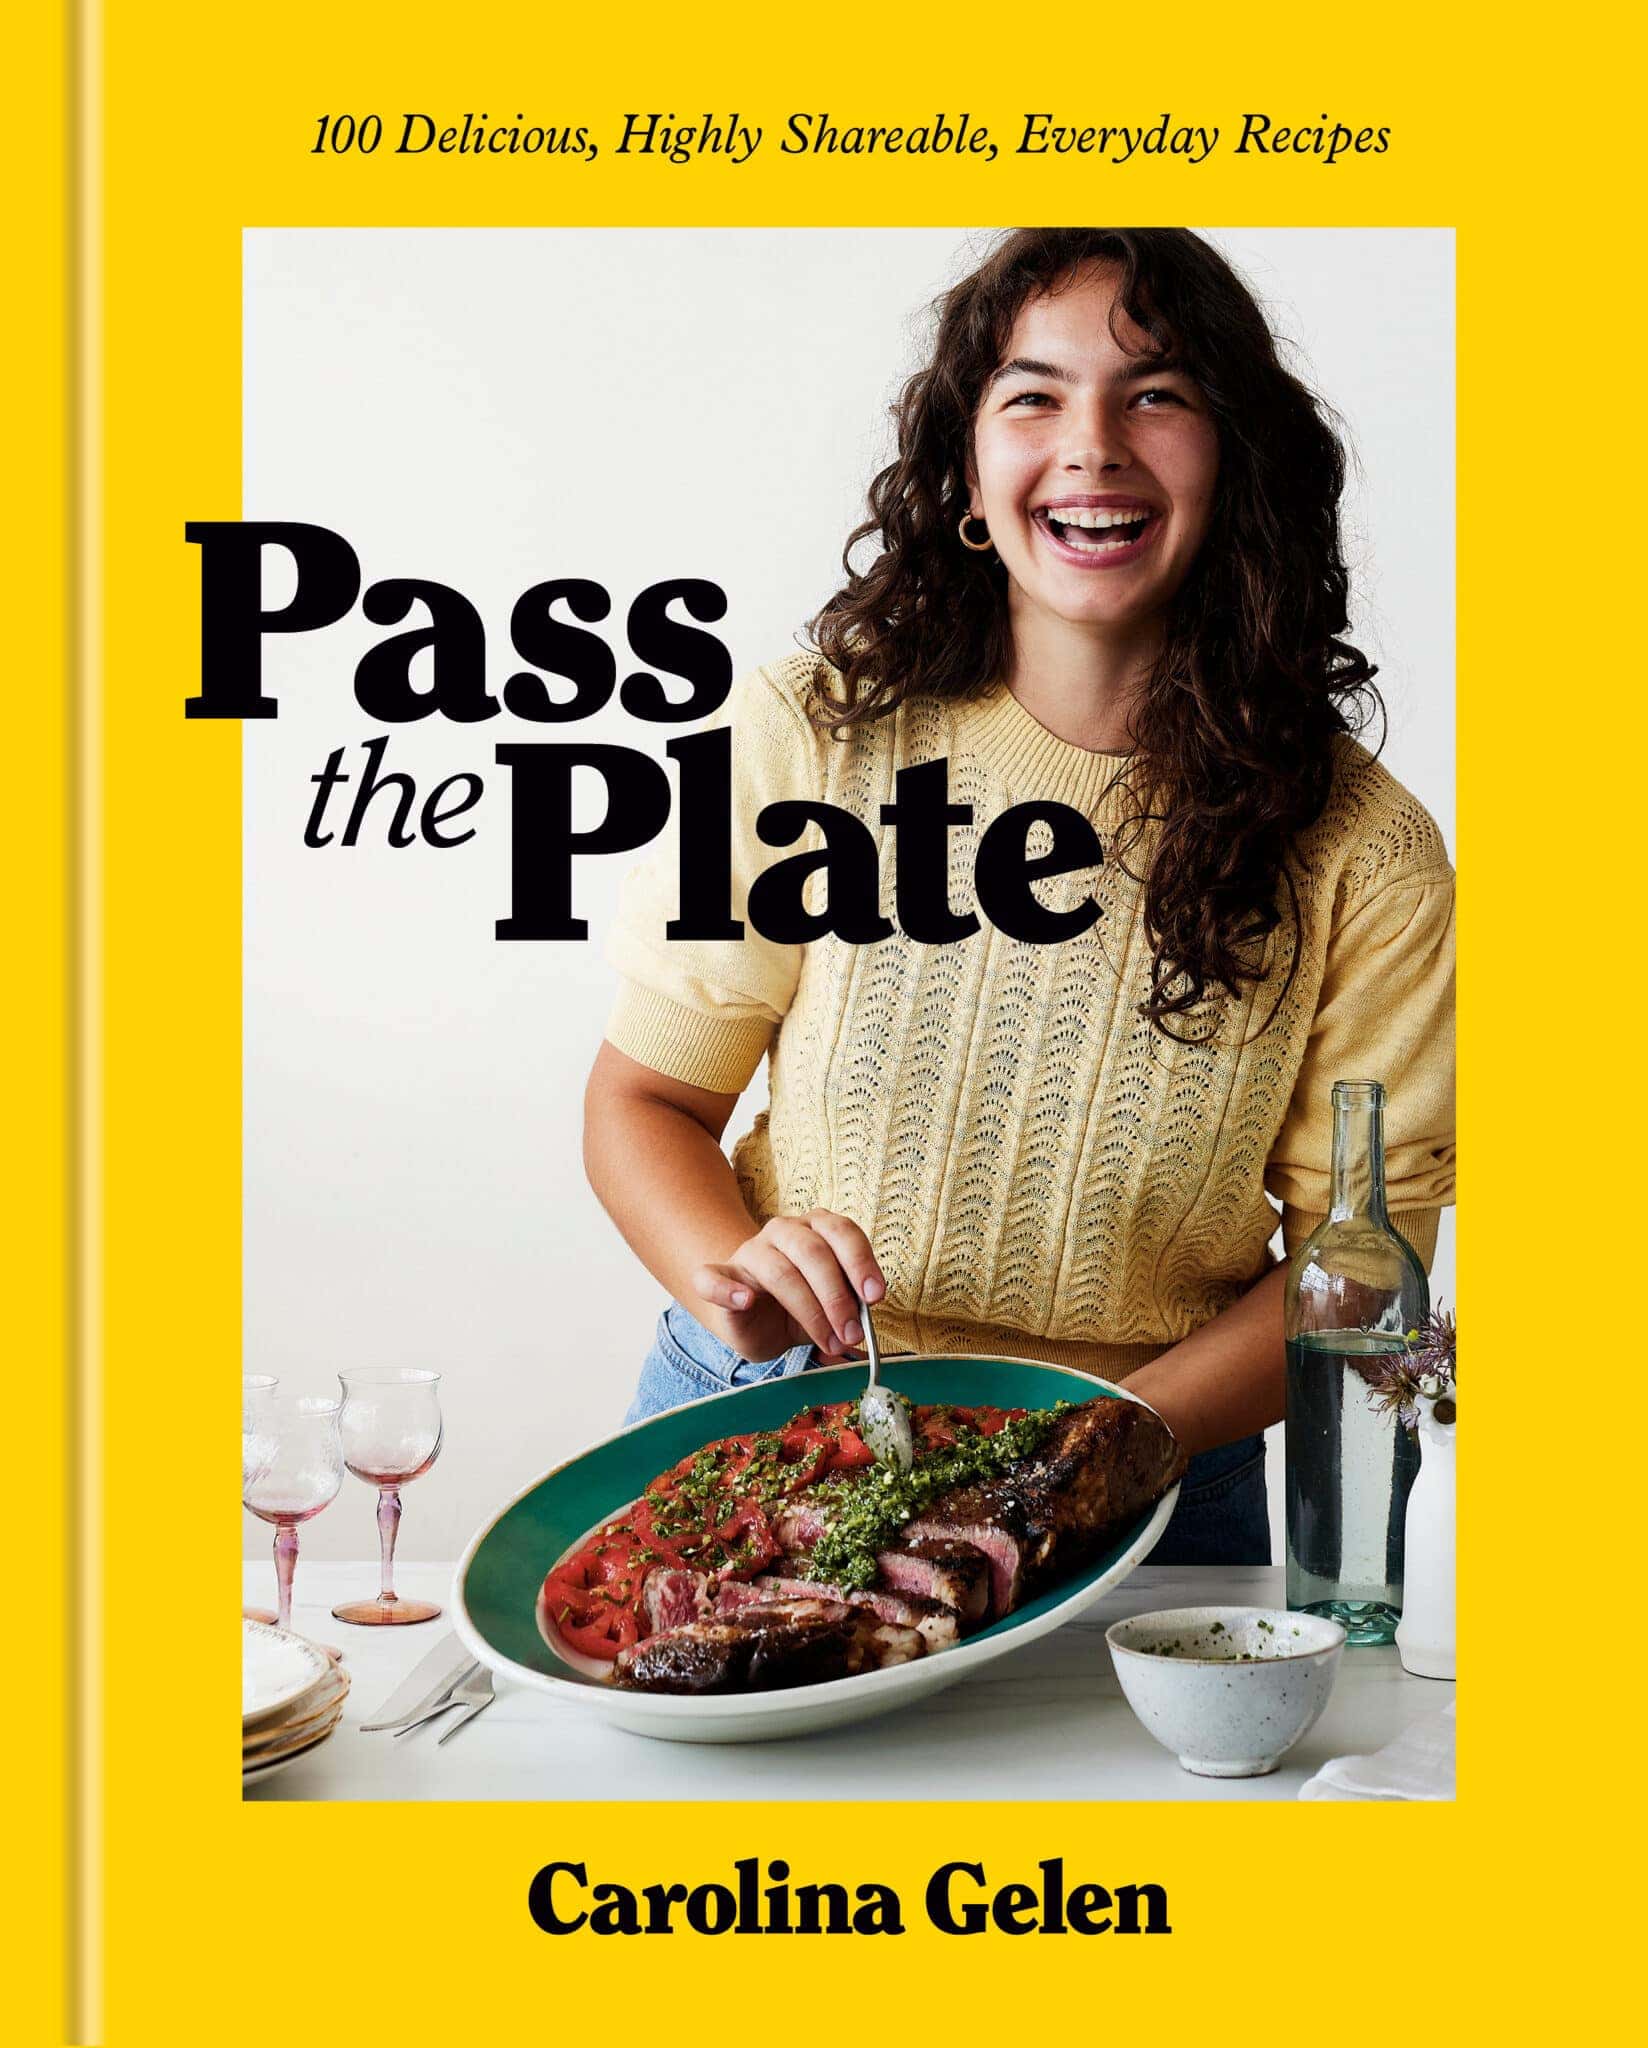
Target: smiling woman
column 1102, row 570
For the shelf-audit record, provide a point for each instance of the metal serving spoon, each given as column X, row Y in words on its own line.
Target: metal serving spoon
column 883, row 1416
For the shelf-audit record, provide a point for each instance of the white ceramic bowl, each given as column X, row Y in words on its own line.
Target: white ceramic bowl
column 1228, row 1689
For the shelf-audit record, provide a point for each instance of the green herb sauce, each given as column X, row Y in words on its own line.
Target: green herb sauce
column 866, row 1509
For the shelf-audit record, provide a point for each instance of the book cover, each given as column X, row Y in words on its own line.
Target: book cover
column 663, row 737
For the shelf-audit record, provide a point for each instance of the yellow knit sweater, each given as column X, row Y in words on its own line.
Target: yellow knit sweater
column 1041, row 1171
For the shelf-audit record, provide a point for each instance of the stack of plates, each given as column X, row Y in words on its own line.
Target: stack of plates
column 291, row 1698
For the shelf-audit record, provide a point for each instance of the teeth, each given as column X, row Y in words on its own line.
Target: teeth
column 1095, row 547
column 1094, row 516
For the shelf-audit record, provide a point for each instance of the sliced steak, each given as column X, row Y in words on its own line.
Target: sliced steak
column 937, row 1625
column 733, row 1594
column 957, row 1519
column 673, row 1595
column 953, row 1573
column 1096, row 1468
column 767, row 1647
column 762, row 1649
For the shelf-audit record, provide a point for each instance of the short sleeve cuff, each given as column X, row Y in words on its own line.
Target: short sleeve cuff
column 719, row 1053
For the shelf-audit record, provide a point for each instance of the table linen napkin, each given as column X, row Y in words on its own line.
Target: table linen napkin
column 446, row 1659
column 1419, row 1764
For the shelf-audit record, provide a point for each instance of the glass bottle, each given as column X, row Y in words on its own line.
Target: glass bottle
column 1354, row 1291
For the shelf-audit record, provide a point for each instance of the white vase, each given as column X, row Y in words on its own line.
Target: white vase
column 1424, row 1636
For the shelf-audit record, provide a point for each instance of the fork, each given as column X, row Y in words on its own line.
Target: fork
column 474, row 1696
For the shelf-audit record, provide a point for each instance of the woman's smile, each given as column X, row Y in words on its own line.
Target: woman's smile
column 1098, row 532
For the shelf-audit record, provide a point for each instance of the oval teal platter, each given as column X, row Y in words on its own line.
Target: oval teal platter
column 496, row 1586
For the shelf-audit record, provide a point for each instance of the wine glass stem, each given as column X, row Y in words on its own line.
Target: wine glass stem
column 286, row 1558
column 389, row 1521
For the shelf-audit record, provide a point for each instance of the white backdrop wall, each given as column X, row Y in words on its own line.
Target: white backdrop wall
column 492, row 408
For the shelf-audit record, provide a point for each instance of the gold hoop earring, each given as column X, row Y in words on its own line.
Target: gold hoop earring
column 978, row 547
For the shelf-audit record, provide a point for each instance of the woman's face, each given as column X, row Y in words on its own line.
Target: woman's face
column 1094, row 462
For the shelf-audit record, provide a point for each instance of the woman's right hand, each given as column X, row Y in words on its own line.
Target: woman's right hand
column 795, row 1282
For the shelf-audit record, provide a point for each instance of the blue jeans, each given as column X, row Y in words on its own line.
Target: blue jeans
column 1222, row 1516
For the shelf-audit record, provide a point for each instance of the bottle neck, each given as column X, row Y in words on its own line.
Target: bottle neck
column 1359, row 1152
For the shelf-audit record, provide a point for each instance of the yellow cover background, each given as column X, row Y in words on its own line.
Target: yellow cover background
column 280, row 1921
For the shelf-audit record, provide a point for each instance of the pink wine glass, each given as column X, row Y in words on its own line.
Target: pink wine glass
column 391, row 1432
column 300, row 1474
column 257, row 1391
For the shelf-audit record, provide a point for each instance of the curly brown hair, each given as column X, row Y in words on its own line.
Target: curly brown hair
column 1234, row 726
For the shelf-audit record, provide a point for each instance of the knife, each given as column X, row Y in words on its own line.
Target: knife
column 446, row 1665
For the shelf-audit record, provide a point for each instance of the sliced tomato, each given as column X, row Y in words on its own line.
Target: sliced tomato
column 608, row 1561
column 851, row 1452
column 726, row 1457
column 666, row 1530
column 824, row 1440
column 988, row 1420
column 748, row 1542
column 739, row 1453
column 808, row 1455
column 935, row 1426
column 596, row 1619
column 594, row 1627
column 614, row 1566
column 938, row 1424
column 677, row 1500
column 828, row 1418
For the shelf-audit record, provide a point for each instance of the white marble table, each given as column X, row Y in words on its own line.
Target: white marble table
column 1046, row 1723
